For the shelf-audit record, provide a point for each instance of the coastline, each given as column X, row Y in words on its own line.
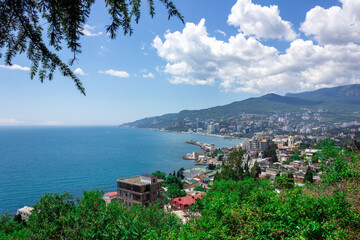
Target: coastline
column 195, row 133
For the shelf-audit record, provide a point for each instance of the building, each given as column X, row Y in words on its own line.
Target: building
column 258, row 143
column 263, row 144
column 109, row 197
column 253, row 143
column 238, row 128
column 183, row 203
column 291, row 141
column 210, row 129
column 139, row 190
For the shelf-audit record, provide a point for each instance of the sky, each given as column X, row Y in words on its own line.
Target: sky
column 226, row 51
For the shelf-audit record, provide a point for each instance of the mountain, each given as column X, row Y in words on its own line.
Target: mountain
column 348, row 94
column 339, row 103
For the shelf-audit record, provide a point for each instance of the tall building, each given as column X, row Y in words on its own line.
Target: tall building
column 238, row 128
column 139, row 190
column 210, row 129
column 253, row 143
column 263, row 144
column 291, row 141
column 258, row 143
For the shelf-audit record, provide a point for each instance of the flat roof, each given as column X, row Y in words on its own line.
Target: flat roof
column 135, row 181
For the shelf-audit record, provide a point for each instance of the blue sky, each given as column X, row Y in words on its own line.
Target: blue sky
column 227, row 51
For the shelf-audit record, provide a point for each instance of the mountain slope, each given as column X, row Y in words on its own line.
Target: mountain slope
column 348, row 94
column 338, row 102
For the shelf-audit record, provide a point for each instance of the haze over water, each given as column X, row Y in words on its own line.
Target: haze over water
column 35, row 160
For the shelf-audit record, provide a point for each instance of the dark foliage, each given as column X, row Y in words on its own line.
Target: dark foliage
column 309, row 175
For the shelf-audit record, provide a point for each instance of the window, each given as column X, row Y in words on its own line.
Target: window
column 136, row 189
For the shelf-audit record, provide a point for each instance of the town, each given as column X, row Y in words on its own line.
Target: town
column 180, row 190
column 309, row 124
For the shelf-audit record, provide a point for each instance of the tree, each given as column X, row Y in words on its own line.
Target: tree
column 308, row 175
column 200, row 188
column 315, row 158
column 173, row 179
column 232, row 167
column 174, row 191
column 180, row 173
column 255, row 170
column 159, row 174
column 22, row 21
column 285, row 181
column 211, row 166
column 270, row 150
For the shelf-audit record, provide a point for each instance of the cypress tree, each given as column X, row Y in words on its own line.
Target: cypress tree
column 309, row 175
column 255, row 170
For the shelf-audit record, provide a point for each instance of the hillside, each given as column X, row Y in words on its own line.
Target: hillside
column 348, row 94
column 339, row 103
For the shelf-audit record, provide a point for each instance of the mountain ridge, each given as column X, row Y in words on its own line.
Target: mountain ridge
column 337, row 101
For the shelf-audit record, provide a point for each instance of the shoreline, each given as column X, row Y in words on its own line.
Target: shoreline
column 195, row 133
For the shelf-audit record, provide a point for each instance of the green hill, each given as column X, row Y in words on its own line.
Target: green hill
column 348, row 94
column 339, row 103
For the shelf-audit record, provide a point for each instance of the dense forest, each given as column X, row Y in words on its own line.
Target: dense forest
column 239, row 205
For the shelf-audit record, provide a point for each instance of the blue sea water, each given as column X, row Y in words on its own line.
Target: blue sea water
column 35, row 160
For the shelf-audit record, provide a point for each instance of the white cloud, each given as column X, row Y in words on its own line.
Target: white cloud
column 79, row 71
column 115, row 73
column 15, row 67
column 221, row 32
column 336, row 25
column 243, row 64
column 261, row 22
column 10, row 121
column 89, row 31
column 149, row 75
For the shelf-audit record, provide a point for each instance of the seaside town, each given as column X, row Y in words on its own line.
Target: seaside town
column 179, row 190
column 308, row 122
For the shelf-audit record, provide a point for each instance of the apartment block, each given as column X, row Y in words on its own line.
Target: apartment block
column 139, row 190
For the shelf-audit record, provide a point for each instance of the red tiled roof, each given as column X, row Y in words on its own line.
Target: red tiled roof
column 200, row 176
column 110, row 194
column 189, row 200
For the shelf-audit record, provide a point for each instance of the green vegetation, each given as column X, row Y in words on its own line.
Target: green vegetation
column 237, row 206
column 309, row 175
column 175, row 191
column 211, row 166
column 285, row 181
column 200, row 188
column 231, row 168
column 255, row 170
column 58, row 216
column 270, row 152
column 159, row 174
column 171, row 180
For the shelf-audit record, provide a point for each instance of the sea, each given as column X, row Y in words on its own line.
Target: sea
column 39, row 160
